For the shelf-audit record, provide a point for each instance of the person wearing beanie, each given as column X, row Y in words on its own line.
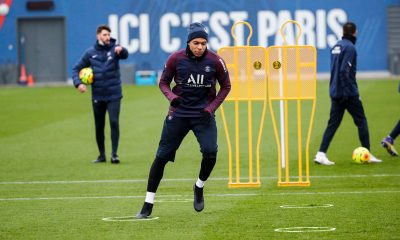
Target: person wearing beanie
column 193, row 102
column 344, row 94
column 196, row 30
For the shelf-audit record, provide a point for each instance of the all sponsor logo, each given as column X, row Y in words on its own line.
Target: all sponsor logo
column 197, row 81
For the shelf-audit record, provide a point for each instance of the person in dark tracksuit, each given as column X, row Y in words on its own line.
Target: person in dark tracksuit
column 103, row 58
column 193, row 101
column 344, row 94
column 388, row 142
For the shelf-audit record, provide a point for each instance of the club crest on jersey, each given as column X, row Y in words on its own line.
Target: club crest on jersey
column 207, row 69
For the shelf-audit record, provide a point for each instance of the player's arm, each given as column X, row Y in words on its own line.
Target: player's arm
column 166, row 79
column 347, row 68
column 82, row 63
column 121, row 52
column 225, row 86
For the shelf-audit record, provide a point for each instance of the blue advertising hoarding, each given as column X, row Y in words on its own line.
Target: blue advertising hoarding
column 152, row 29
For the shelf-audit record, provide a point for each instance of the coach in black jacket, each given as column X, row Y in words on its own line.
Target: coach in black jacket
column 103, row 58
column 344, row 94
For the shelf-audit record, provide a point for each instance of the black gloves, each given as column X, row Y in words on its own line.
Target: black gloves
column 176, row 102
column 205, row 116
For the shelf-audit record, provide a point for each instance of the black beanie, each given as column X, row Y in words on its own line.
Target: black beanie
column 196, row 30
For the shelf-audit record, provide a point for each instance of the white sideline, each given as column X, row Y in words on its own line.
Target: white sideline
column 210, row 195
column 178, row 179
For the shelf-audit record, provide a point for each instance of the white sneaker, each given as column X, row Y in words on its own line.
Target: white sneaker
column 322, row 159
column 373, row 159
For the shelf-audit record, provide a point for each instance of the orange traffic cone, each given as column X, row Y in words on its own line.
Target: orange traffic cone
column 31, row 81
column 22, row 75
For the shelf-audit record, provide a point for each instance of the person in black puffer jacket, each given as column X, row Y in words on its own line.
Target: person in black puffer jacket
column 103, row 58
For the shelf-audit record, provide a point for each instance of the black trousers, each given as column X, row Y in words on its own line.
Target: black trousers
column 174, row 131
column 396, row 131
column 99, row 109
column 176, row 128
column 354, row 106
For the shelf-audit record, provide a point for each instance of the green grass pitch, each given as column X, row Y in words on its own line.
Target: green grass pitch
column 49, row 189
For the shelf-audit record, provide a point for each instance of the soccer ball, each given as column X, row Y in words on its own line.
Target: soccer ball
column 4, row 9
column 361, row 155
column 86, row 75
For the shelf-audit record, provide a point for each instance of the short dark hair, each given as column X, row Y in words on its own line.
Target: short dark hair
column 349, row 28
column 102, row 27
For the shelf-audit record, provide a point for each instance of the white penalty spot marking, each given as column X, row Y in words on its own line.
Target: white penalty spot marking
column 128, row 219
column 305, row 229
column 308, row 206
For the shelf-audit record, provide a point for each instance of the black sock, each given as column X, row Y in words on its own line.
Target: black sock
column 207, row 165
column 156, row 174
column 396, row 131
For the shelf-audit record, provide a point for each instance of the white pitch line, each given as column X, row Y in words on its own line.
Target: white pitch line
column 334, row 193
column 128, row 219
column 75, row 182
column 178, row 179
column 79, row 198
column 210, row 195
column 305, row 229
column 307, row 206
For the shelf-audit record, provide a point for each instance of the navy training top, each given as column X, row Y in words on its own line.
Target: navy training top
column 343, row 70
column 195, row 79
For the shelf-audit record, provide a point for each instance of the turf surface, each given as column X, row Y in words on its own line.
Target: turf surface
column 50, row 190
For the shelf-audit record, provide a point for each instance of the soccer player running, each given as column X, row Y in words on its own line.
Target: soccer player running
column 193, row 101
column 103, row 58
column 388, row 142
column 344, row 94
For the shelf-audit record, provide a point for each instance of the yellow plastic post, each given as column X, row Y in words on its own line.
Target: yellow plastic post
column 292, row 79
column 247, row 68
